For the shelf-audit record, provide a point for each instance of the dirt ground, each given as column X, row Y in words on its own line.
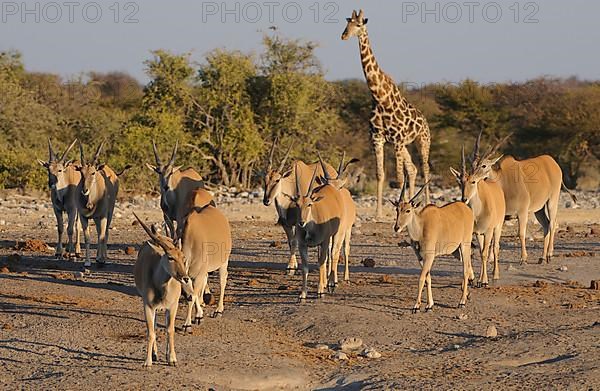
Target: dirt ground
column 60, row 331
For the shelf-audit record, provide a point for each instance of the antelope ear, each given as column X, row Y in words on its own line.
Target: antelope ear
column 177, row 168
column 496, row 160
column 348, row 20
column 365, row 20
column 317, row 199
column 155, row 247
column 101, row 167
column 43, row 163
column 151, row 167
column 395, row 203
column 417, row 204
column 69, row 162
column 287, row 173
column 291, row 198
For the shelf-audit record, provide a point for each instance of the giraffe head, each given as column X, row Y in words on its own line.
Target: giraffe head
column 356, row 25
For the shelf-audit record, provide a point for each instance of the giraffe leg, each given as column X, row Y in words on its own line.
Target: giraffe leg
column 378, row 146
column 411, row 169
column 424, row 143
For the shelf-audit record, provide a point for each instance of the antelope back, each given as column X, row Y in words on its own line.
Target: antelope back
column 446, row 227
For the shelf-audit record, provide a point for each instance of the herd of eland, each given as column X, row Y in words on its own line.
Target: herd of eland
column 314, row 208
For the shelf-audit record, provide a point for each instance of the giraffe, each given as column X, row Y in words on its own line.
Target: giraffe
column 393, row 119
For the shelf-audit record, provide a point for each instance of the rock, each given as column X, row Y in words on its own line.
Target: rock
column 283, row 288
column 370, row 353
column 251, row 320
column 4, row 269
column 33, row 245
column 339, row 356
column 78, row 275
column 118, row 215
column 134, row 222
column 2, row 222
column 563, row 268
column 511, row 268
column 595, row 285
column 404, row 244
column 368, row 262
column 491, row 331
column 462, row 317
column 129, row 250
column 275, row 244
column 386, row 279
column 350, row 343
column 322, row 346
column 252, row 282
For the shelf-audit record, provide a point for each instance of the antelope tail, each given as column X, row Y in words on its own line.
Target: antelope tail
column 569, row 192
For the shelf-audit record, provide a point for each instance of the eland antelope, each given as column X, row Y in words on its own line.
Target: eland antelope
column 97, row 194
column 486, row 199
column 160, row 273
column 176, row 187
column 63, row 179
column 436, row 231
column 277, row 183
column 206, row 244
column 529, row 185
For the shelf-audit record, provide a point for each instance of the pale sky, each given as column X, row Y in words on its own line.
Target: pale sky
column 469, row 39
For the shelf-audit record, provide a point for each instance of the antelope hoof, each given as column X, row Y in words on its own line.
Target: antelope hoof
column 472, row 283
column 154, row 357
column 198, row 319
column 427, row 309
column 461, row 305
column 217, row 314
column 541, row 261
column 302, row 300
column 320, row 295
column 87, row 264
column 147, row 364
column 416, row 309
column 173, row 363
column 187, row 328
column 291, row 271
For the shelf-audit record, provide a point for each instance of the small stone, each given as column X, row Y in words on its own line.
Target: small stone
column 339, row 356
column 134, row 222
column 87, row 272
column 462, row 317
column 455, row 347
column 386, row 279
column 275, row 244
column 4, row 269
column 129, row 250
column 370, row 353
column 350, row 343
column 491, row 331
column 78, row 275
column 251, row 320
column 283, row 288
column 403, row 244
column 368, row 262
column 118, row 215
column 540, row 284
column 252, row 282
column 322, row 346
column 563, row 268
column 2, row 222
column 510, row 268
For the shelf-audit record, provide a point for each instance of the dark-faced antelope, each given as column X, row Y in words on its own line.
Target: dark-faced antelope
column 63, row 179
column 97, row 194
column 486, row 199
column 206, row 244
column 276, row 184
column 176, row 187
column 530, row 185
column 160, row 273
column 436, row 231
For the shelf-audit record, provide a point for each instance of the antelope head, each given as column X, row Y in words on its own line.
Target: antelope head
column 341, row 180
column 91, row 172
column 306, row 201
column 483, row 165
column 172, row 260
column 356, row 25
column 273, row 177
column 56, row 167
column 165, row 171
column 406, row 210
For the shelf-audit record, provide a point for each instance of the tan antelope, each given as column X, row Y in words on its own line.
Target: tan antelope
column 486, row 199
column 276, row 184
column 206, row 244
column 436, row 231
column 160, row 273
column 319, row 222
column 97, row 194
column 530, row 185
column 347, row 222
column 176, row 187
column 63, row 179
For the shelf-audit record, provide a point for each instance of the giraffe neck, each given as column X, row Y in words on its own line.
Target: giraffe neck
column 380, row 84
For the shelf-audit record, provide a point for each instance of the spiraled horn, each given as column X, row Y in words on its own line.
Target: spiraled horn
column 312, row 182
column 463, row 162
column 156, row 154
column 285, row 157
column 271, row 152
column 323, row 167
column 51, row 151
column 341, row 166
column 97, row 154
column 475, row 156
column 66, row 152
column 419, row 192
column 81, row 156
column 172, row 161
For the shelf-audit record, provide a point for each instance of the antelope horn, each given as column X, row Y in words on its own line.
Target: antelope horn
column 172, row 161
column 325, row 173
column 312, row 182
column 463, row 162
column 403, row 191
column 152, row 234
column 81, row 157
column 495, row 148
column 419, row 192
column 271, row 152
column 97, row 154
column 297, row 175
column 341, row 167
column 287, row 154
column 51, row 151
column 475, row 157
column 156, row 155
column 64, row 155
